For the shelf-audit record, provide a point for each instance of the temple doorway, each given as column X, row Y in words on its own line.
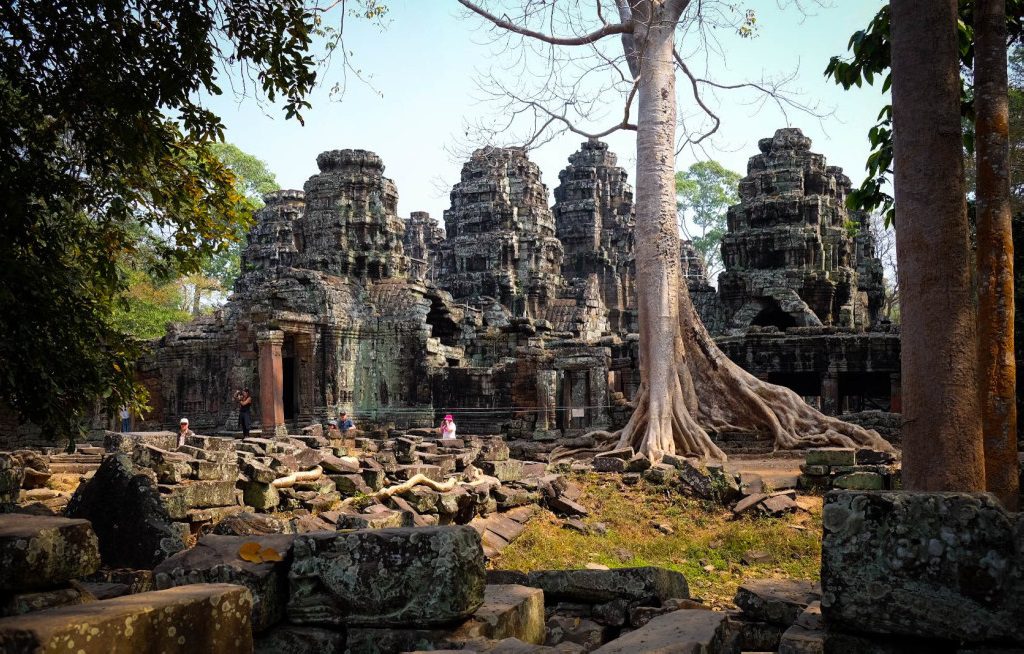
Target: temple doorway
column 288, row 387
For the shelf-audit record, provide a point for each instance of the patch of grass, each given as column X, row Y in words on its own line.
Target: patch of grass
column 64, row 481
column 703, row 535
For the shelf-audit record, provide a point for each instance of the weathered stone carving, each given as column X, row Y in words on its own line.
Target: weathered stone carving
column 790, row 257
column 934, row 565
column 501, row 235
column 406, row 577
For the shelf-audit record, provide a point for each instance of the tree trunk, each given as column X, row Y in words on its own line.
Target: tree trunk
column 687, row 384
column 942, row 441
column 996, row 364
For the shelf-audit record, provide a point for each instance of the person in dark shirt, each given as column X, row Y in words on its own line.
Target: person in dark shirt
column 244, row 399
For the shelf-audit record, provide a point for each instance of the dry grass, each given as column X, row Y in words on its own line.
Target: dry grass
column 65, row 482
column 707, row 545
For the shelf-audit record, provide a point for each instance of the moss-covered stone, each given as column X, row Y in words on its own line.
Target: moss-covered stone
column 39, row 552
column 187, row 620
column 383, row 577
column 940, row 565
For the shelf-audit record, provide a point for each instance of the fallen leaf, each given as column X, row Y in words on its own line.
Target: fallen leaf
column 270, row 554
column 250, row 552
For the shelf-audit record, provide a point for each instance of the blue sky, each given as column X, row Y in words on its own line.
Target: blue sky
column 422, row 69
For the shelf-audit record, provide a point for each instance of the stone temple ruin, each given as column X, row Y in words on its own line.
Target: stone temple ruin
column 517, row 316
column 305, row 540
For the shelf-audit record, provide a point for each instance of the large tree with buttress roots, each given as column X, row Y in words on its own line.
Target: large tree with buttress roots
column 688, row 386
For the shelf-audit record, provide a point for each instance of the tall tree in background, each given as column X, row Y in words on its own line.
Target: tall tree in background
column 995, row 252
column 687, row 384
column 942, row 441
column 203, row 290
column 705, row 191
column 253, row 180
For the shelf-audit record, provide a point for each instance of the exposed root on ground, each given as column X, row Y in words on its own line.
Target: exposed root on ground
column 296, row 477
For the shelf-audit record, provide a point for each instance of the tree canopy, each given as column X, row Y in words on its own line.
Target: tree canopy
column 705, row 192
column 870, row 59
column 103, row 132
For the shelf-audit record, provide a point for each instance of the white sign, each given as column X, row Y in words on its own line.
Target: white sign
column 578, row 413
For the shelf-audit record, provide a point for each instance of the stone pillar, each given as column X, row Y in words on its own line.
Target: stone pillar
column 895, row 395
column 304, row 359
column 271, row 384
column 547, row 400
column 830, row 393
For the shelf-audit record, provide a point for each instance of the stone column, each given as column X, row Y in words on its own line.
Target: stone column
column 895, row 394
column 304, row 358
column 830, row 393
column 547, row 400
column 271, row 383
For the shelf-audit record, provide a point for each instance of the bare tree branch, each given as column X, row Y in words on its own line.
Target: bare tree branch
column 700, row 102
column 606, row 30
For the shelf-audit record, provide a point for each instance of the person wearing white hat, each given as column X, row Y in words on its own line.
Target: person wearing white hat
column 183, row 431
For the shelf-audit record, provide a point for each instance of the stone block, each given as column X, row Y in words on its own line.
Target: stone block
column 127, row 442
column 869, row 456
column 211, row 443
column 584, row 632
column 262, row 497
column 814, row 482
column 939, row 565
column 505, row 470
column 215, row 559
column 11, row 476
column 831, row 456
column 42, row 552
column 859, row 481
column 131, row 521
column 21, row 603
column 508, row 611
column 351, row 484
column 492, row 449
column 382, row 577
column 186, row 620
column 660, row 473
column 564, row 506
column 642, row 585
column 606, row 463
column 777, row 601
column 752, row 636
column 679, row 632
column 815, row 470
column 387, row 519
column 289, row 639
column 259, row 473
column 374, row 479
column 247, row 524
column 214, row 471
column 187, row 495
column 406, row 472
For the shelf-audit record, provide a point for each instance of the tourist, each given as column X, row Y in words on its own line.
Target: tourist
column 447, row 428
column 184, row 431
column 345, row 424
column 244, row 399
column 126, row 419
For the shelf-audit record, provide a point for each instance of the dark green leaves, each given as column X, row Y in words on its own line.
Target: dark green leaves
column 107, row 171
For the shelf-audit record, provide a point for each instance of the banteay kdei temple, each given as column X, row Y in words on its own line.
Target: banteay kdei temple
column 519, row 316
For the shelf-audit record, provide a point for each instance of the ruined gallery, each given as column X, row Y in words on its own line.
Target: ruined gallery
column 520, row 317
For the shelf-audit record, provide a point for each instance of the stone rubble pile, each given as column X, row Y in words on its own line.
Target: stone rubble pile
column 151, row 497
column 847, row 468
